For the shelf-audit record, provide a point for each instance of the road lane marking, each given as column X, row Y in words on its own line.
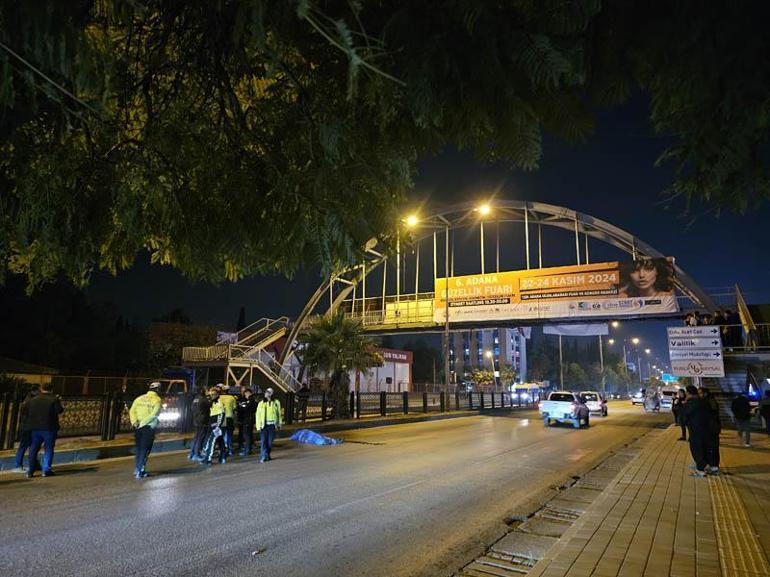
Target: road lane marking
column 376, row 496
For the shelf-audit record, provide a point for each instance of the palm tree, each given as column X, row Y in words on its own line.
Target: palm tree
column 335, row 344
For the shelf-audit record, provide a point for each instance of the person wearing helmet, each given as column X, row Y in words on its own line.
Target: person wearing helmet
column 144, row 418
column 216, row 434
column 229, row 402
column 268, row 422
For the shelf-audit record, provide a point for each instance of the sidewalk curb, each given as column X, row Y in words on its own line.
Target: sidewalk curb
column 69, row 456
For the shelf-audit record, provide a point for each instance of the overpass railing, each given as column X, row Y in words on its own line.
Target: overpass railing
column 737, row 339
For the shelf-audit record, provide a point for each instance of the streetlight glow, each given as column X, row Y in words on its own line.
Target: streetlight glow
column 647, row 351
column 611, row 341
column 615, row 324
column 484, row 209
column 412, row 220
column 488, row 354
column 635, row 340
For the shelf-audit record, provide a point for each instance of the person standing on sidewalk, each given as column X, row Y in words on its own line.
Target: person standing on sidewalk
column 201, row 407
column 697, row 416
column 246, row 412
column 215, row 433
column 302, row 397
column 42, row 417
column 25, row 434
column 677, row 408
column 229, row 402
column 764, row 410
column 742, row 412
column 715, row 429
column 268, row 422
column 144, row 418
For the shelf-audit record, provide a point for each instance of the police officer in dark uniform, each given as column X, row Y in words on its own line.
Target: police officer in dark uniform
column 246, row 412
column 201, row 408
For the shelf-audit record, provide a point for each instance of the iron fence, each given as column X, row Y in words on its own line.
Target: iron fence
column 108, row 415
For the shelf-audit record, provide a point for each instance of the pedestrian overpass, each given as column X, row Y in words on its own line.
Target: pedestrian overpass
column 393, row 287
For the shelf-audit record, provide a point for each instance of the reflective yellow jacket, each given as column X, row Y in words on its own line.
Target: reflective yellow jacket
column 229, row 402
column 145, row 410
column 269, row 413
column 217, row 413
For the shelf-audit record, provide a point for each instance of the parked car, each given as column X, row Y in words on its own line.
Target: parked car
column 564, row 407
column 595, row 402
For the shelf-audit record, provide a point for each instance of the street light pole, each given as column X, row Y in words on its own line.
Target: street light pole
column 561, row 367
column 601, row 362
column 482, row 247
column 446, row 308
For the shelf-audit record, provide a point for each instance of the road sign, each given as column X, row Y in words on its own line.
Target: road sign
column 696, row 351
column 695, row 354
column 694, row 343
column 712, row 331
column 698, row 368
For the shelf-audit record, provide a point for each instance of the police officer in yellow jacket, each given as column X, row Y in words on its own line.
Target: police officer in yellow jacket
column 144, row 418
column 268, row 422
column 229, row 402
column 216, row 434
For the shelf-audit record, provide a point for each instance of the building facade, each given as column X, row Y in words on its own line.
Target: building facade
column 489, row 349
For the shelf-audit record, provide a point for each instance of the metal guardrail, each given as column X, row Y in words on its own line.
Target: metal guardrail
column 738, row 339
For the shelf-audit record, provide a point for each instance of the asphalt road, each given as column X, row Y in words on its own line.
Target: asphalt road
column 417, row 499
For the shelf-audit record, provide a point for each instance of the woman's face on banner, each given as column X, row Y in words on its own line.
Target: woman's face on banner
column 645, row 276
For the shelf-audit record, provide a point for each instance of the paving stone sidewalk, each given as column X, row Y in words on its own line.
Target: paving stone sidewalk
column 655, row 520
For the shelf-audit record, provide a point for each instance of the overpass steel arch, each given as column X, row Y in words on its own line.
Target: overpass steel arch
column 449, row 218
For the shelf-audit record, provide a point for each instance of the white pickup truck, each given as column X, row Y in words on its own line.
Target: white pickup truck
column 564, row 407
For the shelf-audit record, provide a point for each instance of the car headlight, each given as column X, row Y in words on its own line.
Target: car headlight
column 169, row 416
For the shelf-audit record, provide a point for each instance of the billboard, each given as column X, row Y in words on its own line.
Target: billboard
column 632, row 288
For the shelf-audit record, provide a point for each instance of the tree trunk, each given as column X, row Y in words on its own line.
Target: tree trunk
column 340, row 395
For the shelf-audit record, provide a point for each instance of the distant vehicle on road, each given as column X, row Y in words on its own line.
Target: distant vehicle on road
column 667, row 396
column 595, row 402
column 638, row 397
column 564, row 407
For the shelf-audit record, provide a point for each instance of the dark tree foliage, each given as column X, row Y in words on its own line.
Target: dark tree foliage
column 243, row 136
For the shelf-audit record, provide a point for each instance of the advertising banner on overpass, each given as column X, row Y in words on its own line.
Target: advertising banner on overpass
column 607, row 289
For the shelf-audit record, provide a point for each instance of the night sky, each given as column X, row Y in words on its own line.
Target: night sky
column 611, row 177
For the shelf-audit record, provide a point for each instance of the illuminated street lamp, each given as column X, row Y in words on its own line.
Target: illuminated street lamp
column 483, row 210
column 611, row 341
column 635, row 340
column 615, row 324
column 412, row 220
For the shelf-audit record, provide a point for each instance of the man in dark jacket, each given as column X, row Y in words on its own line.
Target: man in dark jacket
column 25, row 434
column 764, row 410
column 302, row 397
column 201, row 409
column 715, row 428
column 246, row 411
column 742, row 413
column 697, row 417
column 42, row 417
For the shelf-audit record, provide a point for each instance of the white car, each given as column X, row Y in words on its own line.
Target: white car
column 595, row 402
column 564, row 407
column 638, row 398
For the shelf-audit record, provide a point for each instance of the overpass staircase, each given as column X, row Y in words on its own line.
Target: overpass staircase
column 243, row 352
